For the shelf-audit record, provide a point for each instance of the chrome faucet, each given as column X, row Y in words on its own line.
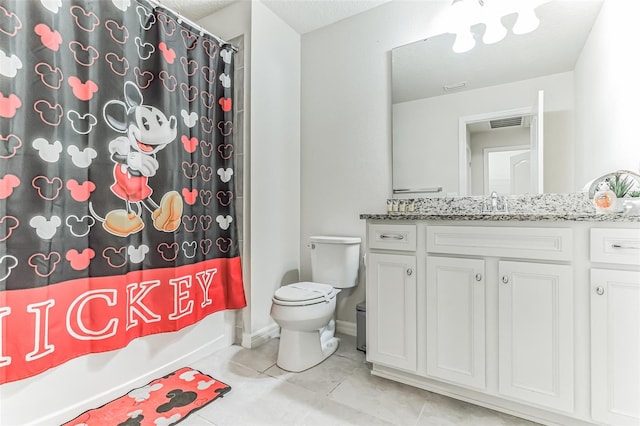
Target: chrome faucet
column 495, row 204
column 494, row 201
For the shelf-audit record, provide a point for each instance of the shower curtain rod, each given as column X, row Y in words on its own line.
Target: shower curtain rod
column 156, row 3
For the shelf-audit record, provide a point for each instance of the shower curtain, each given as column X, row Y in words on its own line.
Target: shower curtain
column 117, row 201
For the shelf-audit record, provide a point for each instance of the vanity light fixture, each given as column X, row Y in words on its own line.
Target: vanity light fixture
column 527, row 21
column 464, row 42
column 466, row 13
column 495, row 31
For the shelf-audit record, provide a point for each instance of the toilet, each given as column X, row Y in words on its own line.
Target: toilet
column 305, row 311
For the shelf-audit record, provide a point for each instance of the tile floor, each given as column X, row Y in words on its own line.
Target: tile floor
column 339, row 391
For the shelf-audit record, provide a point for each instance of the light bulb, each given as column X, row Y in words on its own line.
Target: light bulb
column 494, row 33
column 527, row 22
column 464, row 42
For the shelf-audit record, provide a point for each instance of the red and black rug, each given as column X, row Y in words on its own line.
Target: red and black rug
column 163, row 402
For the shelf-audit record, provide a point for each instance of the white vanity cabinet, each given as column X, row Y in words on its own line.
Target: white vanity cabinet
column 615, row 326
column 534, row 318
column 535, row 323
column 486, row 313
column 391, row 297
column 456, row 320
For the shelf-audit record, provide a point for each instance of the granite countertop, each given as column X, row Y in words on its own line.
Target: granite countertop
column 528, row 207
column 522, row 217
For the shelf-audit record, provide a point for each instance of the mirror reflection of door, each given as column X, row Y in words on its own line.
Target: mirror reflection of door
column 491, row 149
column 507, row 170
column 500, row 132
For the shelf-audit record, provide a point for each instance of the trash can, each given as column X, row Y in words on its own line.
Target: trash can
column 361, row 326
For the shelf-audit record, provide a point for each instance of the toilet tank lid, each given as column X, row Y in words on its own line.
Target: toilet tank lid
column 335, row 240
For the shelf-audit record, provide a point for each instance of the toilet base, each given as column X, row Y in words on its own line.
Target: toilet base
column 301, row 350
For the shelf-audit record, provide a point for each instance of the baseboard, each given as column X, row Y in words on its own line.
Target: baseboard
column 70, row 412
column 260, row 337
column 346, row 327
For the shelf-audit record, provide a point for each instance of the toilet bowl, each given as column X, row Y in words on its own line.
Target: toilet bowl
column 305, row 310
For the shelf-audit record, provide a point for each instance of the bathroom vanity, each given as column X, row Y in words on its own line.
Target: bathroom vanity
column 535, row 313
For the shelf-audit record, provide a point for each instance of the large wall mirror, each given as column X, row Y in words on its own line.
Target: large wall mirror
column 497, row 117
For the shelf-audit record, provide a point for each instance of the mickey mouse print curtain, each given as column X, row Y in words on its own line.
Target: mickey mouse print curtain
column 117, row 207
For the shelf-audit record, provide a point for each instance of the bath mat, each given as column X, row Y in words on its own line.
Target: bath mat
column 162, row 402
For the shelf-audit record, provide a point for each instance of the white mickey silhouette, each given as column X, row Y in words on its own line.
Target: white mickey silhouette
column 226, row 55
column 225, row 80
column 133, row 414
column 48, row 152
column 188, row 376
column 225, row 174
column 123, row 5
column 190, row 120
column 82, row 158
column 205, row 384
column 137, row 255
column 52, row 5
column 224, row 221
column 45, row 228
column 9, row 65
column 144, row 392
column 166, row 421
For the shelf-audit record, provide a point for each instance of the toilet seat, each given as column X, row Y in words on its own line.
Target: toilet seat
column 303, row 294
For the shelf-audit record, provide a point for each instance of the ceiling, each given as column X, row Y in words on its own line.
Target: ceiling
column 302, row 15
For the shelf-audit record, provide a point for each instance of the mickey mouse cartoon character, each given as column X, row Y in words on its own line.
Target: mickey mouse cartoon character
column 146, row 131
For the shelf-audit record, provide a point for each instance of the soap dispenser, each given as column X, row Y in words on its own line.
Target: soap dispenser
column 604, row 198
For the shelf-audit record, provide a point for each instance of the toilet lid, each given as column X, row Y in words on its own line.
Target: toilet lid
column 305, row 292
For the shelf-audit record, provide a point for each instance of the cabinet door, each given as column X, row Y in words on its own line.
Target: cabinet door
column 455, row 320
column 615, row 346
column 391, row 310
column 535, row 310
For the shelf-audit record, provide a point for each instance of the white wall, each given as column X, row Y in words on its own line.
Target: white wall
column 607, row 78
column 272, row 131
column 275, row 160
column 346, row 122
column 427, row 129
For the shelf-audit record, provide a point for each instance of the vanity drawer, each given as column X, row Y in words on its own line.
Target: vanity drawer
column 620, row 246
column 392, row 237
column 529, row 243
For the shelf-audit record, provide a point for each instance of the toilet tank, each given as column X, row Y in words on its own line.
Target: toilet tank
column 335, row 260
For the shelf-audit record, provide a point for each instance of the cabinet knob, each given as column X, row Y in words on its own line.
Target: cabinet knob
column 409, row 271
column 478, row 277
column 505, row 279
column 599, row 290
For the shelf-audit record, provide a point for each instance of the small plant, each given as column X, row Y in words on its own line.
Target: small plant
column 620, row 185
column 634, row 194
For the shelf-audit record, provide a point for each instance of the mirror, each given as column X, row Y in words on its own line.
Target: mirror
column 452, row 111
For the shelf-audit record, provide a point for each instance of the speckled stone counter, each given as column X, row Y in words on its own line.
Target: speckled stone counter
column 529, row 207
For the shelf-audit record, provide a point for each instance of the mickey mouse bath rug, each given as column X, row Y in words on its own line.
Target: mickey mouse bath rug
column 164, row 401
